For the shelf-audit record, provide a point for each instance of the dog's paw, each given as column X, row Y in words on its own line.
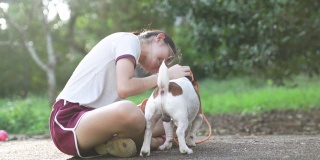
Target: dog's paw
column 166, row 145
column 145, row 152
column 186, row 150
column 162, row 147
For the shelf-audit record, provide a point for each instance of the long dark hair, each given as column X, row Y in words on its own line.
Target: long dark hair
column 168, row 40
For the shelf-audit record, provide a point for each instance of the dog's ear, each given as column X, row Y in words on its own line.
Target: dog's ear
column 143, row 105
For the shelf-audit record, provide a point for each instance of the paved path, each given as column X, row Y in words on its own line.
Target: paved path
column 219, row 147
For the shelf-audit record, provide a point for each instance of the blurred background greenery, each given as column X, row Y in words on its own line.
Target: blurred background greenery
column 249, row 55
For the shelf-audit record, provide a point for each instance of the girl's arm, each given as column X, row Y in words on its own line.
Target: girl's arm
column 127, row 85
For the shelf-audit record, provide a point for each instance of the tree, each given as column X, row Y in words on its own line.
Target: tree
column 89, row 22
column 37, row 9
column 267, row 39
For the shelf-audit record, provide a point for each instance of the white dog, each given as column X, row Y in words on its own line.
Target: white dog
column 177, row 102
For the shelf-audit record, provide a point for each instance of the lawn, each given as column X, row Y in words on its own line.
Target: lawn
column 237, row 95
column 244, row 95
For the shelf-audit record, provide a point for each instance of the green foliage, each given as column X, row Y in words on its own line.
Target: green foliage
column 90, row 21
column 218, row 38
column 103, row 17
column 25, row 116
column 272, row 39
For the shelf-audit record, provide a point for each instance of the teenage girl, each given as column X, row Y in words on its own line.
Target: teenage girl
column 91, row 117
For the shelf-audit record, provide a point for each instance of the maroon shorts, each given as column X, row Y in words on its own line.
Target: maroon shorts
column 64, row 119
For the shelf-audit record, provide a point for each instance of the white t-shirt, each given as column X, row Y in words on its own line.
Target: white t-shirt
column 93, row 83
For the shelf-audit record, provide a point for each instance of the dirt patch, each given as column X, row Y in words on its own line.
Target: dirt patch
column 289, row 122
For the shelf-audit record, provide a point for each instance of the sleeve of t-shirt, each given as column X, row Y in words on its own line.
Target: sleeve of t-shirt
column 128, row 47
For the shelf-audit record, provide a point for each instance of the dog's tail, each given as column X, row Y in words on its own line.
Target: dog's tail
column 163, row 79
column 163, row 84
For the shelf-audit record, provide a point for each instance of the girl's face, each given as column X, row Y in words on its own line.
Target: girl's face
column 158, row 52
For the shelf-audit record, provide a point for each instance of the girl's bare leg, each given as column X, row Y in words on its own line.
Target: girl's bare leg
column 123, row 118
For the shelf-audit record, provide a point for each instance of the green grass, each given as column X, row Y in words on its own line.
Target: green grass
column 238, row 95
column 244, row 95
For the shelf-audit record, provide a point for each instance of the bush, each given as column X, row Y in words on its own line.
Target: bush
column 27, row 116
column 271, row 39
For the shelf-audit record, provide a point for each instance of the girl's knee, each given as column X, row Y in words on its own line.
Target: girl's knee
column 131, row 115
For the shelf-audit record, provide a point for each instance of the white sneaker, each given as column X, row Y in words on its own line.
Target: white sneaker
column 120, row 147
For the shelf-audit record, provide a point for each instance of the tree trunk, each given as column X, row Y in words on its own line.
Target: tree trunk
column 52, row 85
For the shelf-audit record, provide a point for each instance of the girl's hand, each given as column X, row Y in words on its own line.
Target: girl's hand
column 178, row 71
